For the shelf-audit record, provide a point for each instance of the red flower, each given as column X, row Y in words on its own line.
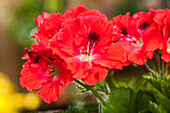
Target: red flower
column 85, row 43
column 47, row 26
column 81, row 11
column 46, row 72
column 140, row 36
column 162, row 18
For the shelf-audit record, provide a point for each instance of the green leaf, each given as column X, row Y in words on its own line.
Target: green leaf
column 142, row 101
column 162, row 100
column 154, row 74
column 165, row 88
column 121, row 100
column 134, row 80
column 155, row 82
column 154, row 108
column 168, row 80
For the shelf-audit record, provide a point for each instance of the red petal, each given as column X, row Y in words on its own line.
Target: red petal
column 78, row 68
column 74, row 12
column 137, row 56
column 134, row 54
column 95, row 75
column 93, row 13
column 65, row 77
column 66, row 36
column 165, row 56
column 152, row 38
column 53, row 21
column 42, row 37
column 50, row 91
column 159, row 19
column 113, row 58
column 32, row 76
column 76, row 32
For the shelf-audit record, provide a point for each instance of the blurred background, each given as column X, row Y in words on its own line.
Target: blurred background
column 16, row 28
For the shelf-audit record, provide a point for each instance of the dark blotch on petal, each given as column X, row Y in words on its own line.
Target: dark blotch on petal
column 144, row 26
column 93, row 39
column 36, row 60
column 52, row 59
column 124, row 32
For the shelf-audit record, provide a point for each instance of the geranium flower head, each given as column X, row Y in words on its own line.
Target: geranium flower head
column 162, row 18
column 47, row 26
column 85, row 43
column 46, row 72
column 140, row 37
column 81, row 11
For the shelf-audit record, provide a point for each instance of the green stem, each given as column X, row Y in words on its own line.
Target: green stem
column 155, row 61
column 163, row 70
column 160, row 65
column 97, row 95
column 93, row 90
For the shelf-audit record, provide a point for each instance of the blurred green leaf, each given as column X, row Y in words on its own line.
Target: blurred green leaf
column 130, row 77
column 165, row 88
column 154, row 108
column 121, row 100
column 125, row 100
column 162, row 100
column 155, row 83
column 74, row 110
column 91, row 107
column 161, row 85
column 23, row 25
column 155, row 75
column 53, row 5
column 142, row 101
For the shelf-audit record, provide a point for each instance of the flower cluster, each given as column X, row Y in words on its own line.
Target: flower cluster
column 83, row 44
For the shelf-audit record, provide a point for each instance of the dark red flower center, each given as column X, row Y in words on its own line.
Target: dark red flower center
column 33, row 56
column 92, row 40
column 52, row 59
column 127, row 36
column 137, row 41
column 124, row 32
column 86, row 55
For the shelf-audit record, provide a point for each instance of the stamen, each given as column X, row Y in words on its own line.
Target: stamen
column 52, row 71
column 86, row 55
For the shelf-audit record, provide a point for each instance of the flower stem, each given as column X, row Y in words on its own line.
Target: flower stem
column 93, row 90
